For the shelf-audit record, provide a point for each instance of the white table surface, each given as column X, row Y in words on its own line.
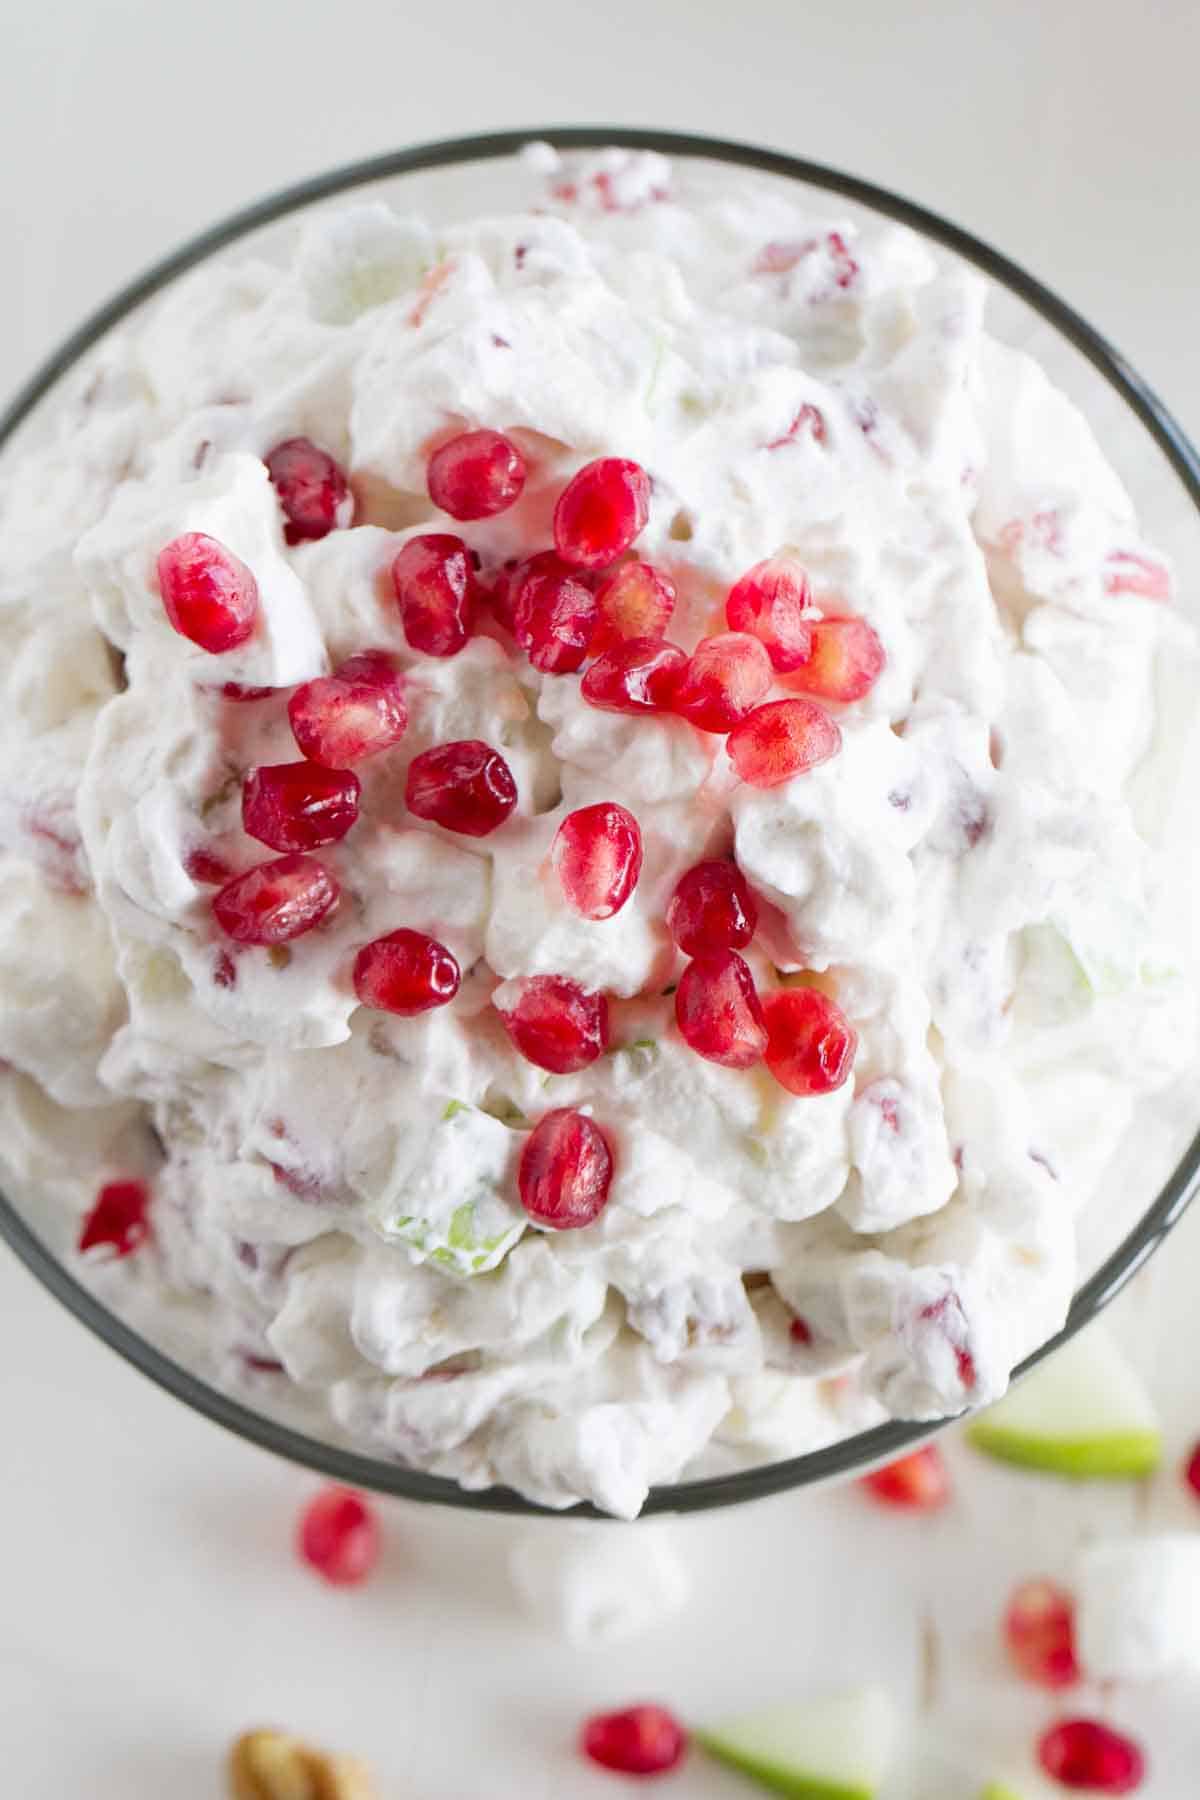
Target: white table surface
column 149, row 1604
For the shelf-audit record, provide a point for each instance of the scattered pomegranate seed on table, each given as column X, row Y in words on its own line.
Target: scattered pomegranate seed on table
column 565, row 1170
column 354, row 713
column 641, row 1740
column 810, row 1043
column 557, row 1024
column 276, row 901
column 553, row 612
column 465, row 786
column 299, row 806
column 313, row 492
column 434, row 580
column 637, row 675
column 781, row 740
column 712, row 909
column 1083, row 1753
column 601, row 511
column 719, row 1013
column 727, row 675
column 476, row 475
column 597, row 856
column 635, row 601
column 1191, row 1472
column 406, row 972
column 847, row 660
column 916, row 1483
column 118, row 1220
column 769, row 602
column 338, row 1536
column 1039, row 1633
column 210, row 596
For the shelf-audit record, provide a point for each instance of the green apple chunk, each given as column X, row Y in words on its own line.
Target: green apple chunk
column 1083, row 1413
column 832, row 1748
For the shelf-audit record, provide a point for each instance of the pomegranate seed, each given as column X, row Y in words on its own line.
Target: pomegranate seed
column 597, row 855
column 312, row 490
column 727, row 675
column 800, row 1332
column 467, row 787
column 1083, row 1753
column 206, row 868
column 719, row 1013
column 642, row 1740
column 635, row 601
column 210, row 596
column 810, row 1042
column 847, row 660
column 1131, row 573
column 1039, row 1630
column 554, row 613
column 600, row 512
column 917, row 1483
column 299, row 806
column 117, row 1220
column 1191, row 1473
column 476, row 475
column 354, row 713
column 434, row 579
column 338, row 1536
column 782, row 739
column 634, row 676
column 712, row 909
column 565, row 1170
column 557, row 1024
column 239, row 692
column 770, row 602
column 277, row 901
column 405, row 973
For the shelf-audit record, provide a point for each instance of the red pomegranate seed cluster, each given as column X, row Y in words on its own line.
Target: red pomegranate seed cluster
column 587, row 601
column 641, row 1740
column 803, row 1037
column 338, row 1536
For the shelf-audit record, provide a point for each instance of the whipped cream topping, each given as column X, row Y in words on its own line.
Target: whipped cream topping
column 334, row 1188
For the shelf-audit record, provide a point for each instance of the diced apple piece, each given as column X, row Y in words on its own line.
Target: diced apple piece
column 1083, row 1413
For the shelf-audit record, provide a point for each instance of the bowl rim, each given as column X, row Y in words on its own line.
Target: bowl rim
column 862, row 1450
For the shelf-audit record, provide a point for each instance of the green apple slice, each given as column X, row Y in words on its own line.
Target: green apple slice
column 1083, row 1413
column 832, row 1748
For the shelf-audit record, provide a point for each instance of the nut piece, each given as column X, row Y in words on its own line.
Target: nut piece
column 269, row 1765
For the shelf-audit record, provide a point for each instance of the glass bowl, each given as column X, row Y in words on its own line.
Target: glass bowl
column 1156, row 1173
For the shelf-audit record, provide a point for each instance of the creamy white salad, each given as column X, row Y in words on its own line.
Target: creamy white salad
column 348, row 1198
